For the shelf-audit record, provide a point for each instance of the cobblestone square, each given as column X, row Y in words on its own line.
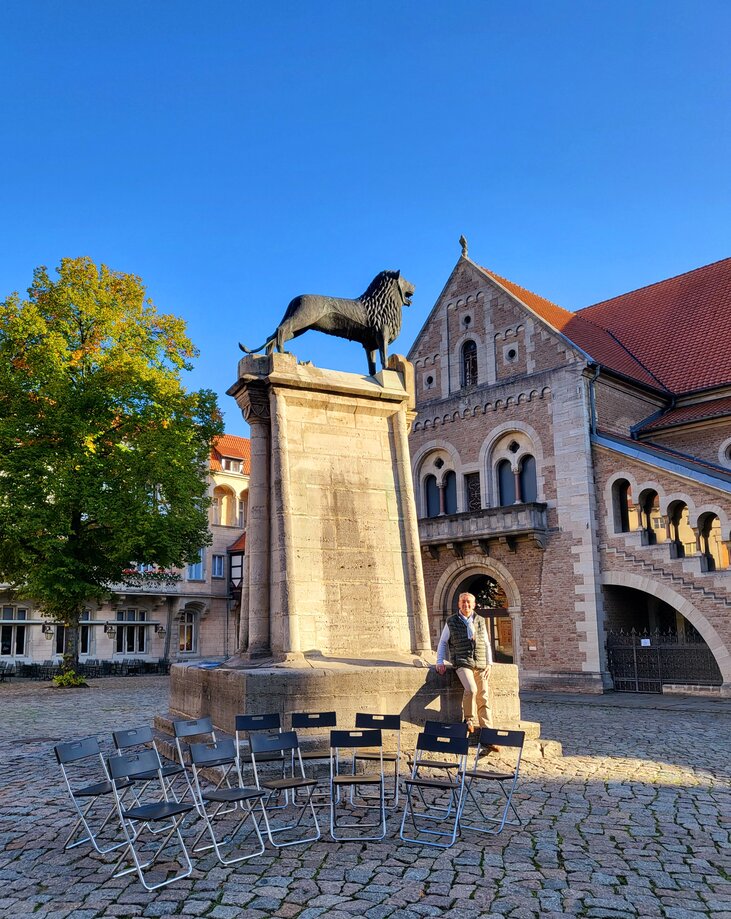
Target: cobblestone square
column 634, row 820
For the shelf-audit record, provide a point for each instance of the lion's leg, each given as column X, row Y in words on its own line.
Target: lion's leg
column 371, row 355
column 383, row 348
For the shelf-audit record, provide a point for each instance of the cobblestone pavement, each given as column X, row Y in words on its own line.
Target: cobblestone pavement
column 633, row 821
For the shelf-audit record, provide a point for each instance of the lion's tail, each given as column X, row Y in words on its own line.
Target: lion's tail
column 255, row 350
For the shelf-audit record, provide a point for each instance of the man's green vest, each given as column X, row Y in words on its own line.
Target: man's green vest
column 464, row 651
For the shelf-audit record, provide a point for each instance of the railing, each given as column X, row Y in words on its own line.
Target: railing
column 488, row 523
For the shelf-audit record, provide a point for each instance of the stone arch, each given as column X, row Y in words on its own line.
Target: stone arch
column 462, row 568
column 715, row 509
column 453, row 463
column 721, row 653
column 487, row 462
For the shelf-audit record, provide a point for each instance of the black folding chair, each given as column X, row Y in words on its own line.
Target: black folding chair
column 246, row 725
column 509, row 745
column 200, row 728
column 425, row 820
column 82, row 761
column 318, row 726
column 222, row 796
column 133, row 767
column 285, row 743
column 141, row 738
column 384, row 723
column 449, row 766
column 351, row 741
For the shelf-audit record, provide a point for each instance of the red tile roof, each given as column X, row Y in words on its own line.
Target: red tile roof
column 592, row 339
column 674, row 335
column 679, row 328
column 234, row 447
column 239, row 545
column 686, row 414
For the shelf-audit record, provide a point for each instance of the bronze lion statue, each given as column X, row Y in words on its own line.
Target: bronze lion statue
column 373, row 319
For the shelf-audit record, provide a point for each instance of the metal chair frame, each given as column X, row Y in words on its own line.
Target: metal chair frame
column 456, row 747
column 286, row 742
column 384, row 723
column 354, row 741
column 73, row 752
column 509, row 740
column 131, row 767
column 222, row 756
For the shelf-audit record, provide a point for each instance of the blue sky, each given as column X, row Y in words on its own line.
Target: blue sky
column 235, row 154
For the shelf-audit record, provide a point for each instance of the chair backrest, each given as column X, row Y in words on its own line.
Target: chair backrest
column 193, row 727
column 433, row 743
column 302, row 720
column 446, row 728
column 499, row 738
column 384, row 722
column 127, row 765
column 75, row 750
column 271, row 722
column 274, row 743
column 352, row 739
column 132, row 737
column 217, row 754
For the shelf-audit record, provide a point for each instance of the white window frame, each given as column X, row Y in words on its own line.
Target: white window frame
column 196, row 571
column 135, row 620
column 218, row 562
column 14, row 618
column 188, row 632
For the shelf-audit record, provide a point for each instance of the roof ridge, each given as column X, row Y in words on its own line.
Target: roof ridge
column 635, row 290
column 631, row 354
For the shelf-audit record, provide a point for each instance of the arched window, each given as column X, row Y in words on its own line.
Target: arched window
column 620, row 505
column 527, row 477
column 713, row 550
column 450, row 493
column 469, row 364
column 682, row 537
column 506, row 483
column 224, row 510
column 651, row 522
column 432, row 496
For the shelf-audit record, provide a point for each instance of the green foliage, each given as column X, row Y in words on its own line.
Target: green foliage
column 103, row 452
column 68, row 679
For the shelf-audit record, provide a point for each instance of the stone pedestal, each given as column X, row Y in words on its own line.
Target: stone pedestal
column 332, row 543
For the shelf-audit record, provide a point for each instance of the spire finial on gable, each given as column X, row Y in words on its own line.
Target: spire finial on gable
column 463, row 243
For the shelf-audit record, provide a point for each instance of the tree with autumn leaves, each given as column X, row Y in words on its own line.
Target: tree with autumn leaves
column 103, row 452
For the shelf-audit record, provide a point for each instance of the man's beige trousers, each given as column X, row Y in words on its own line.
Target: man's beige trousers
column 475, row 701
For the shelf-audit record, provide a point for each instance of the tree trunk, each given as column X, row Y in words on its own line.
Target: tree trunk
column 71, row 650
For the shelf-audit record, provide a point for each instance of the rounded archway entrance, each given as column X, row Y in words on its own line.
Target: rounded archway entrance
column 650, row 643
column 491, row 603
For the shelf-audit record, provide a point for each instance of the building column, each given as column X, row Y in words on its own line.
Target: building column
column 254, row 402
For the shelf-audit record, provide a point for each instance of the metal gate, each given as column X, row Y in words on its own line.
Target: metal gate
column 642, row 662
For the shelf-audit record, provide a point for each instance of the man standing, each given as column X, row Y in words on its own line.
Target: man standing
column 471, row 656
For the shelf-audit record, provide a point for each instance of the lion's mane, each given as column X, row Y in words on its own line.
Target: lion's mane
column 382, row 301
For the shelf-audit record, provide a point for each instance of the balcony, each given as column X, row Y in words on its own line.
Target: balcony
column 475, row 530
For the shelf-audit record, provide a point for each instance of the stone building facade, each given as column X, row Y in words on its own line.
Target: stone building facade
column 574, row 471
column 148, row 622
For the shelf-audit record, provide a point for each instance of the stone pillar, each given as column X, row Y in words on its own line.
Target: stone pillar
column 333, row 553
column 254, row 402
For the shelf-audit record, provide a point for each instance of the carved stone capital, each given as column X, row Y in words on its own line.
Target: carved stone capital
column 254, row 403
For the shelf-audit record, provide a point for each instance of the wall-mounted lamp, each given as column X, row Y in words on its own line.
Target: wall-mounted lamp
column 47, row 630
column 159, row 629
column 110, row 630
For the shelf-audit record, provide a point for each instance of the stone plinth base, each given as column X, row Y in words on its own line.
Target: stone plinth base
column 410, row 688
